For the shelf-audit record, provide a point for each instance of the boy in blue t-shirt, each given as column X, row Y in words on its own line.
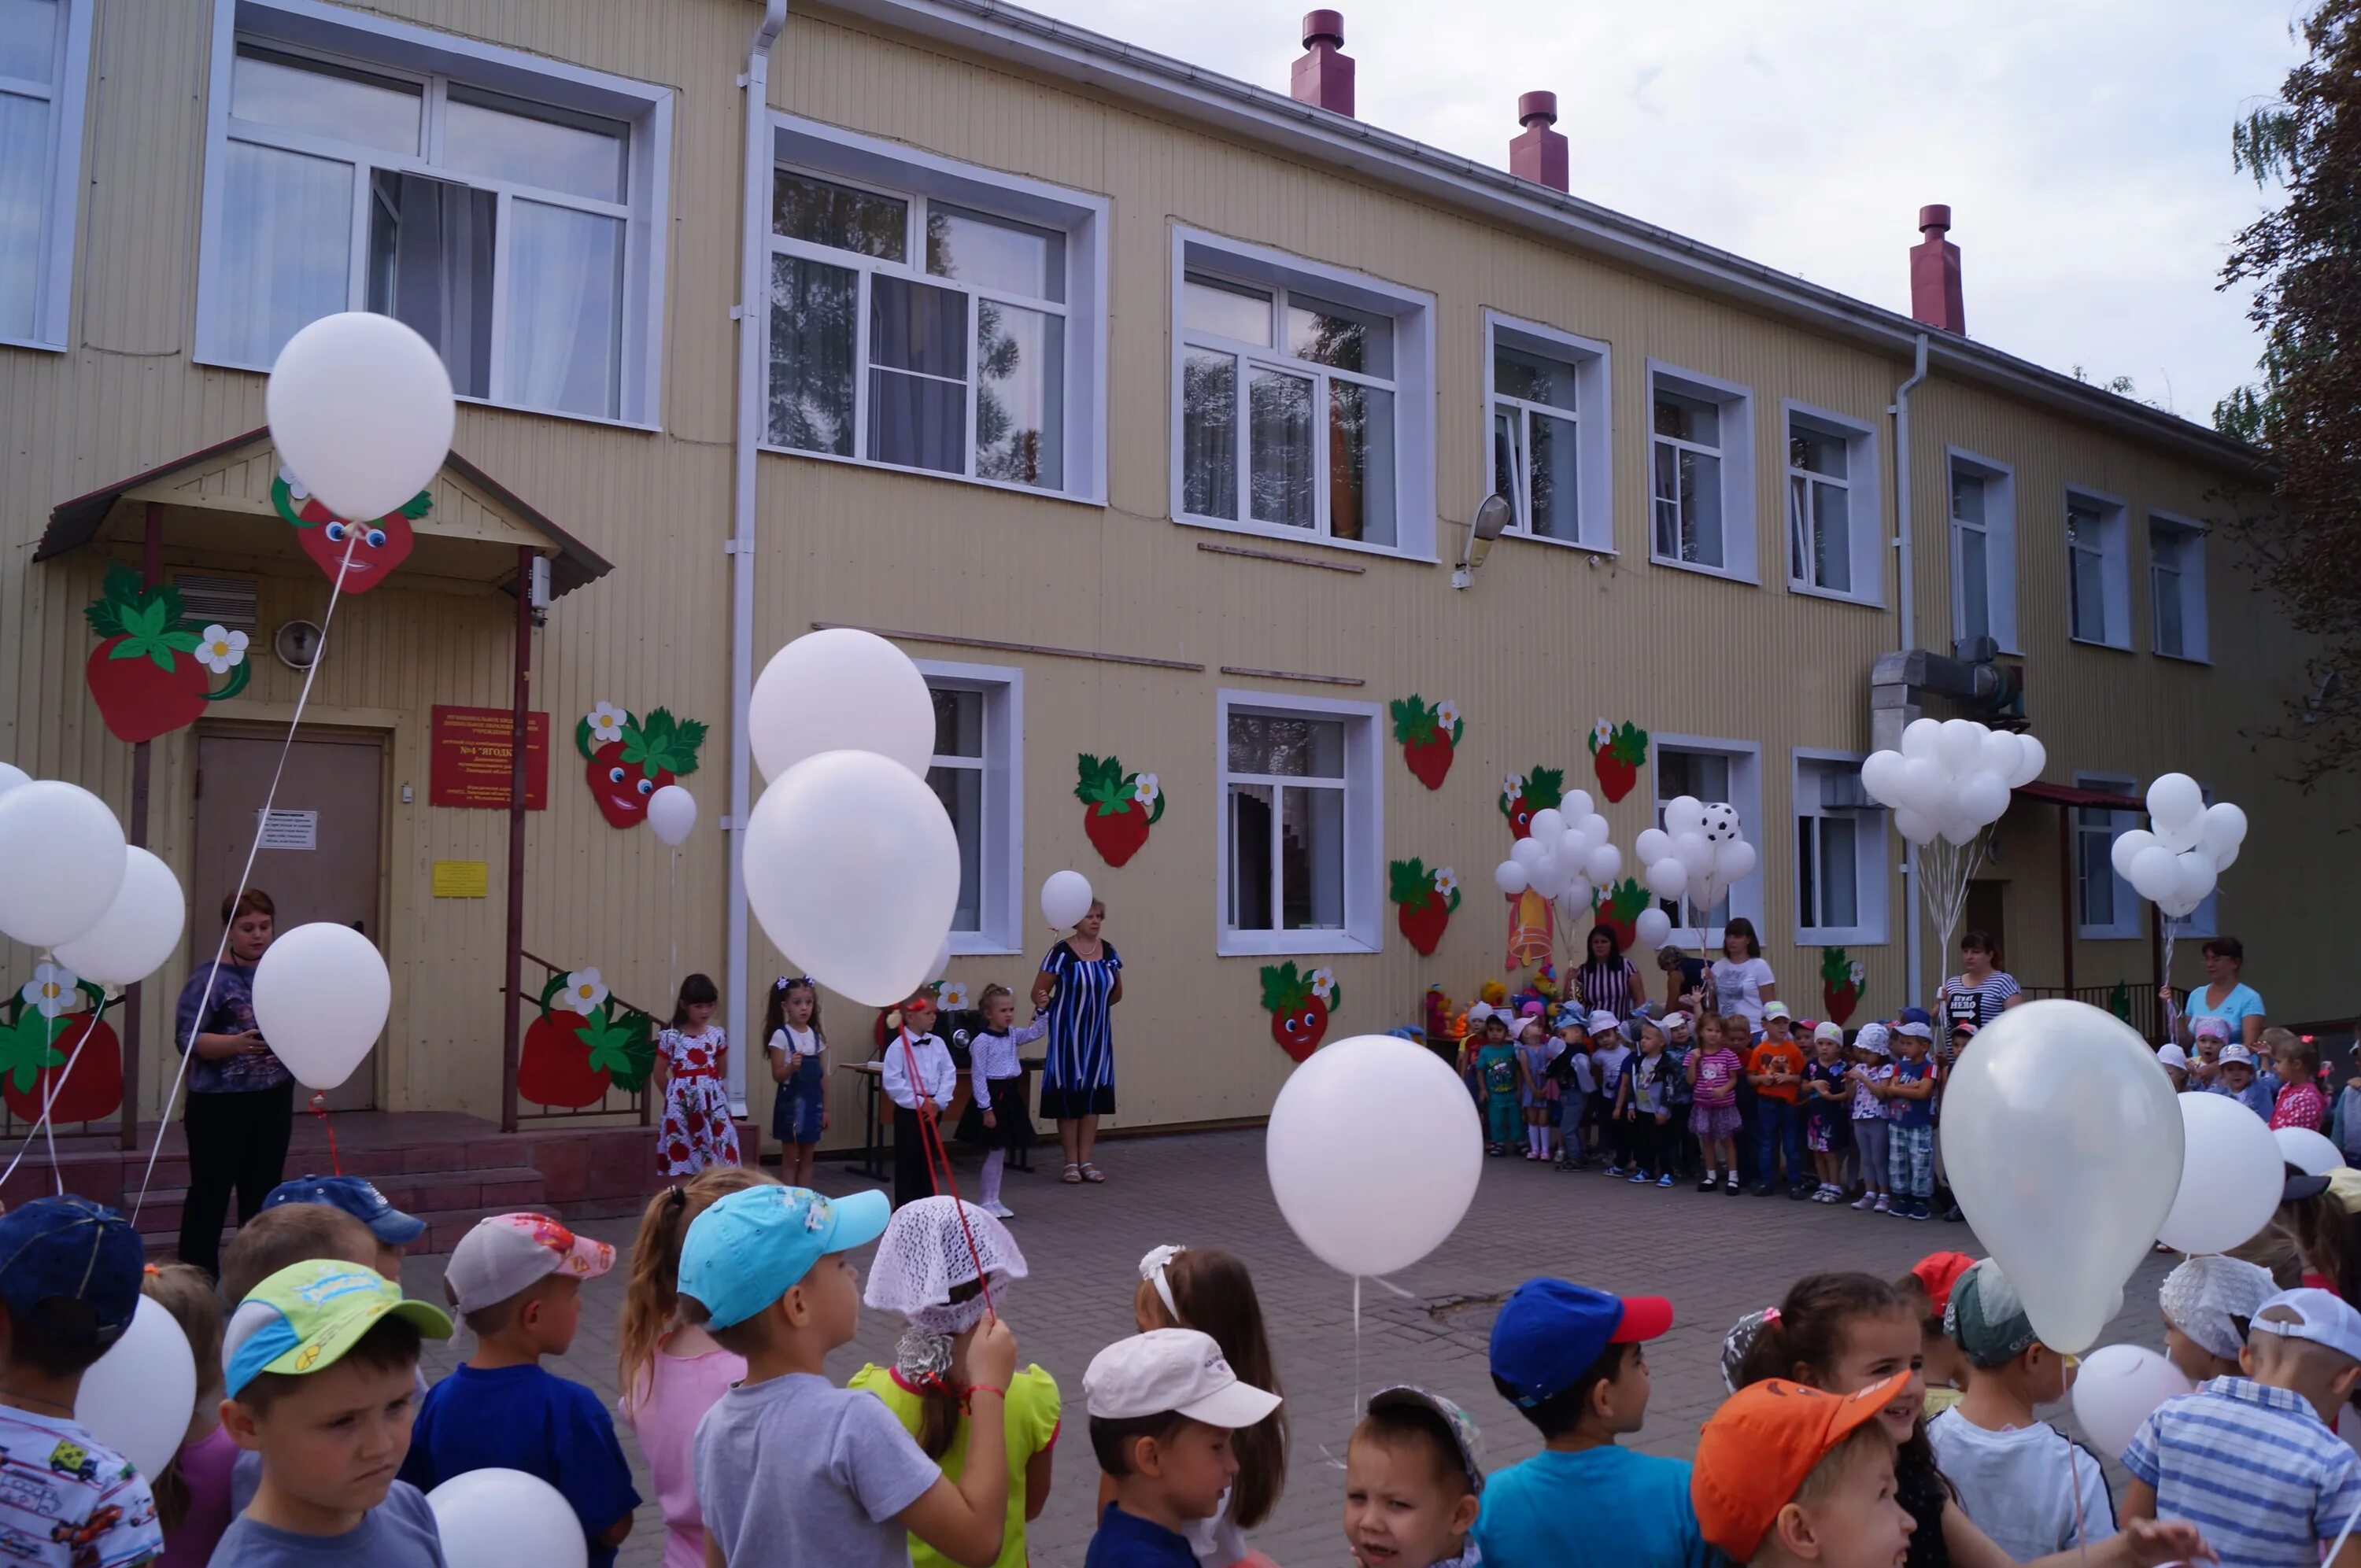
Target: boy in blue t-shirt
column 515, row 1279
column 1568, row 1357
column 1910, row 1142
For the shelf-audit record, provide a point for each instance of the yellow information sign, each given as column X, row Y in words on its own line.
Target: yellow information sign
column 462, row 878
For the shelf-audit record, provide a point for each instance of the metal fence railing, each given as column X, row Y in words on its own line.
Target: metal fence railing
column 2135, row 1002
column 615, row 1102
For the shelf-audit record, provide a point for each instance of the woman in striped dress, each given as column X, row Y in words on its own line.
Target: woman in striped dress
column 1606, row 981
column 1080, row 983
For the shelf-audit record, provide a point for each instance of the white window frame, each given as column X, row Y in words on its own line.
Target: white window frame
column 435, row 60
column 1746, row 789
column 1413, row 312
column 2127, row 924
column 915, row 176
column 1364, row 790
column 2113, row 558
column 1872, row 868
column 2190, row 583
column 1736, row 451
column 1591, row 360
column 67, row 92
column 1864, row 503
column 1000, row 892
column 2000, row 546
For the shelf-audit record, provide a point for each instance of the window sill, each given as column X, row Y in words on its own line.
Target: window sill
column 1289, row 944
column 1724, row 573
column 1806, row 590
column 645, row 427
column 1578, row 546
column 1299, row 536
column 982, row 945
column 1841, row 936
column 2195, row 660
column 32, row 343
column 2105, row 934
column 1003, row 485
column 2095, row 642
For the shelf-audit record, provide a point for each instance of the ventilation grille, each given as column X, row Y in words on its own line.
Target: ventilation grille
column 228, row 602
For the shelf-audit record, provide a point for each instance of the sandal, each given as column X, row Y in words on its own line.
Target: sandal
column 1073, row 1175
column 1092, row 1174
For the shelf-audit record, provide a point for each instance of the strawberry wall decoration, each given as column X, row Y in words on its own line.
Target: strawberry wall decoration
column 326, row 537
column 149, row 671
column 581, row 1044
column 1617, row 752
column 1118, row 807
column 1428, row 733
column 1544, row 789
column 1841, row 979
column 631, row 759
column 1424, row 901
column 1618, row 910
column 53, row 1012
column 1298, row 1006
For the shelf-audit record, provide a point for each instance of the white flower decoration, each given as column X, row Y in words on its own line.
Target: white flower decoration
column 1603, row 732
column 1515, row 786
column 1446, row 881
column 952, row 996
column 51, row 990
column 1446, row 713
column 1144, row 789
column 1324, row 983
column 295, row 486
column 218, row 649
column 582, row 992
column 1856, row 973
column 607, row 722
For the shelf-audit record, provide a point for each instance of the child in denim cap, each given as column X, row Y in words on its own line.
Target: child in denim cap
column 388, row 1227
column 1414, row 1481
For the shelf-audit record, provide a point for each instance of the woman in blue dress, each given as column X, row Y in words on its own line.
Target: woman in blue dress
column 1080, row 983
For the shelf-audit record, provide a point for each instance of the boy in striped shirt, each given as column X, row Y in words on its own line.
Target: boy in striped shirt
column 2251, row 1460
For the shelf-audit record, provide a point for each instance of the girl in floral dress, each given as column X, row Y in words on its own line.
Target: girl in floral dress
column 692, row 1062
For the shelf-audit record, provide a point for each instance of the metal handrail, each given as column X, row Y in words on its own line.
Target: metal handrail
column 634, row 1100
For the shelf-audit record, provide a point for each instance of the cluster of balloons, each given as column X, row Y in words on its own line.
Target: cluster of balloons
column 109, row 910
column 1699, row 853
column 2175, row 859
column 851, row 862
column 1952, row 777
column 1565, row 857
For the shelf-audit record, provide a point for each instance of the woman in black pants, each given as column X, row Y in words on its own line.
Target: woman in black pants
column 241, row 1098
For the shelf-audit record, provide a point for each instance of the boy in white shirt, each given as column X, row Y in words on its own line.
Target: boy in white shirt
column 918, row 1077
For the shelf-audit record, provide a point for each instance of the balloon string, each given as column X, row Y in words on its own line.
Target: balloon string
column 938, row 1163
column 2082, row 1546
column 261, row 826
column 2342, row 1535
column 48, row 1098
column 320, row 1109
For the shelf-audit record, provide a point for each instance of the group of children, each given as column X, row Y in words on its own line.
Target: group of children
column 2284, row 1083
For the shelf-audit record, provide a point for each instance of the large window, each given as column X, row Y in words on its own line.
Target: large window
column 2176, row 564
column 1549, row 432
column 1700, row 473
column 2098, row 571
column 510, row 210
column 1840, row 851
column 2105, row 905
column 978, row 772
column 1713, row 770
column 1303, row 398
column 44, row 59
column 1833, row 510
column 1299, row 831
column 1983, row 550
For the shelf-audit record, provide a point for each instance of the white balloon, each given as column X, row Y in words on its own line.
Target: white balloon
column 1545, row 878
column 2062, row 1097
column 1573, row 899
column 1595, row 827
column 1878, row 777
column 1509, row 878
column 1652, row 844
column 1733, row 861
column 2308, row 1151
column 320, row 994
column 506, row 1519
column 2230, row 1176
column 2118, row 1388
column 2126, row 848
column 1668, row 878
column 2225, row 830
column 136, row 1397
column 1579, row 805
column 1365, row 1205
column 1958, row 828
column 1603, row 864
column 2154, row 872
column 1958, row 745
column 1569, row 859
column 1065, row 898
column 672, row 815
column 2226, row 860
column 139, row 930
column 1914, row 825
column 2004, row 754
column 853, row 867
column 1653, row 928
column 2178, row 836
column 360, row 410
column 1529, row 853
column 1918, row 737
column 1684, row 814
column 63, row 857
column 2032, row 757
column 1921, row 786
column 942, row 964
column 1548, row 825
column 2192, row 884
column 2174, row 798
column 1693, row 852
column 839, row 690
column 1983, row 796
column 11, row 776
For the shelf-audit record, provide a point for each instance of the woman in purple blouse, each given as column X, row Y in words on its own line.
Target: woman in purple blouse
column 241, row 1099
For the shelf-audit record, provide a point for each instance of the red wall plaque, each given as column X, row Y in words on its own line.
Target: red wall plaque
column 468, row 758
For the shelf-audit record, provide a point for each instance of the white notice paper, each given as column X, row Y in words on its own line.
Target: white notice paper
column 290, row 830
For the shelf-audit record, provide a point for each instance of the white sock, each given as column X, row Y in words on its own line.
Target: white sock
column 1539, row 1137
column 988, row 1192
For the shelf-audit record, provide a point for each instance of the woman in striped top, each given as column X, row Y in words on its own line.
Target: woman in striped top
column 1606, row 981
column 1080, row 983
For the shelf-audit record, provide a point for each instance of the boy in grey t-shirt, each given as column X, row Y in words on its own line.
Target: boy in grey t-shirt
column 765, row 1271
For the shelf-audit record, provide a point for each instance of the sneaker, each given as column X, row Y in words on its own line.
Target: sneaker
column 1613, row 1170
column 1798, row 1193
column 1707, row 1183
column 1919, row 1209
column 1865, row 1203
column 1638, row 1179
column 1884, row 1205
column 1666, row 1180
column 999, row 1210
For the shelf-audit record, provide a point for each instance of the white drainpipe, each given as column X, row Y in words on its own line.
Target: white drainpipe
column 754, row 218
column 1909, row 629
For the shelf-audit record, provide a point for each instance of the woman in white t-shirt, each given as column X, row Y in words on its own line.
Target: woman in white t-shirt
column 1742, row 981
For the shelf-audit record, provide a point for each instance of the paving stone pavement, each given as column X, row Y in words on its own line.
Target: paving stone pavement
column 1718, row 1257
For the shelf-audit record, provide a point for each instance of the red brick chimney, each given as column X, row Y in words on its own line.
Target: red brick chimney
column 1934, row 296
column 1539, row 154
column 1323, row 77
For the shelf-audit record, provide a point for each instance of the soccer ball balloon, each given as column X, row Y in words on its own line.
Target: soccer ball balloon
column 1720, row 822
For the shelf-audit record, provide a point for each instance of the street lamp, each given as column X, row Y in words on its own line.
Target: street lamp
column 1490, row 518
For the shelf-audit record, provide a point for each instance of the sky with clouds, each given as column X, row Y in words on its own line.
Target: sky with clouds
column 2083, row 145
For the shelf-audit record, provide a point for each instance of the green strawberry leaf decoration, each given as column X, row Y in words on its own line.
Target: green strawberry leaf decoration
column 147, row 620
column 621, row 1045
column 2119, row 1003
column 26, row 1046
column 1101, row 783
column 1626, row 742
column 661, row 742
column 1417, row 720
column 1626, row 899
column 1284, row 987
column 1835, row 967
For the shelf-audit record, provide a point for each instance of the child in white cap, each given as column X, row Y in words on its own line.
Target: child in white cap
column 2207, row 1303
column 1162, row 1407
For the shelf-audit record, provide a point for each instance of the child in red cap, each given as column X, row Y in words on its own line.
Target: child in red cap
column 1927, row 1289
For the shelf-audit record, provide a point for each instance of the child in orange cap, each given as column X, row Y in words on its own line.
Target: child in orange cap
column 1787, row 1474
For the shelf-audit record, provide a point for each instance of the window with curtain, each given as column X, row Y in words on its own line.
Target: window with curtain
column 2087, row 562
column 32, row 57
column 1970, row 552
column 2176, row 555
column 977, row 772
column 1686, row 454
column 2105, row 904
column 914, row 333
column 1706, row 776
column 1840, row 855
column 1284, row 786
column 1536, row 441
column 1819, row 496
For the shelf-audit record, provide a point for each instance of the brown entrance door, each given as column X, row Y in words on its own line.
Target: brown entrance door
column 320, row 855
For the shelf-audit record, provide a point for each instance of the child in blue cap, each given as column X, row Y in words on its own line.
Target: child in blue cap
column 765, row 1272
column 388, row 1227
column 1570, row 1358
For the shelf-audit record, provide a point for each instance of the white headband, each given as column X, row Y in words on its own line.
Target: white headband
column 1151, row 1269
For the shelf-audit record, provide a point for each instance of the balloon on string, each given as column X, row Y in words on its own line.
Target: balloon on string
column 1579, row 805
column 136, row 1397
column 1653, row 928
column 1684, row 814
column 321, row 996
column 1548, row 823
column 64, row 859
column 2118, row 1388
column 1734, row 862
column 1066, row 897
column 2126, row 848
column 2308, row 1151
column 1529, row 853
column 139, row 930
column 362, row 409
column 1918, row 739
column 2224, row 830
column 11, row 776
column 1366, row 1205
column 1509, row 878
column 2032, row 758
column 942, row 964
column 2231, row 1174
column 672, row 815
column 1603, row 864
column 1914, row 827
column 1668, row 878
column 839, row 690
column 502, row 1518
column 1652, row 844
column 2003, row 753
column 2173, row 799
column 853, row 867
column 1958, row 745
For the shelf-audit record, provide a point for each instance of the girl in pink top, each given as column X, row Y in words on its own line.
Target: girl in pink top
column 1714, row 1067
column 193, row 1494
column 671, row 1372
column 2300, row 1104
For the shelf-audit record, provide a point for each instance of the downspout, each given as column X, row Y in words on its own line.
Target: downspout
column 1908, row 632
column 754, row 210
